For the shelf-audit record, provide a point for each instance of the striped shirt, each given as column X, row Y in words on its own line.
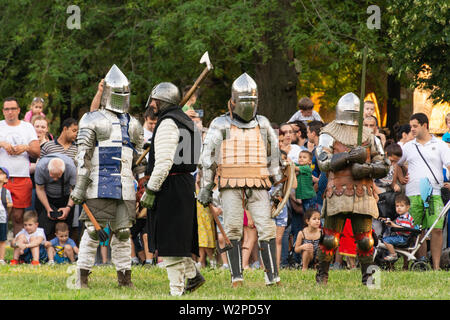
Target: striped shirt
column 54, row 146
column 405, row 220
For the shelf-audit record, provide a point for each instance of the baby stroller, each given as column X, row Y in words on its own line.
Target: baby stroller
column 410, row 248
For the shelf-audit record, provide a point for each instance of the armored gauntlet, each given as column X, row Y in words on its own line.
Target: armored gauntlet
column 78, row 194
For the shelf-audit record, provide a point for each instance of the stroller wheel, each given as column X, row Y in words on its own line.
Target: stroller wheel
column 420, row 266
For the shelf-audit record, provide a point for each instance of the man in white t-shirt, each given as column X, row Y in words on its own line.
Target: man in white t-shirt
column 436, row 153
column 306, row 112
column 18, row 141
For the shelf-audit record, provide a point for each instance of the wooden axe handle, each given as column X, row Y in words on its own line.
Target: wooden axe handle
column 182, row 103
column 221, row 229
column 194, row 87
column 91, row 217
column 142, row 156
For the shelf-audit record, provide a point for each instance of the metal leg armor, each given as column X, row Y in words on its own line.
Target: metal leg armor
column 235, row 262
column 268, row 253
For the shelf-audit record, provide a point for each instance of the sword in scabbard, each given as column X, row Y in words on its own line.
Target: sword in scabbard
column 361, row 97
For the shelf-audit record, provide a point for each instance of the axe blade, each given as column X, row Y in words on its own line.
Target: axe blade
column 205, row 59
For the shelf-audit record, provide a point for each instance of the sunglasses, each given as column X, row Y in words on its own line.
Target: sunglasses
column 38, row 99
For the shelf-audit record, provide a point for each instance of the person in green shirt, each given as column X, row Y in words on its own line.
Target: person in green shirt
column 305, row 188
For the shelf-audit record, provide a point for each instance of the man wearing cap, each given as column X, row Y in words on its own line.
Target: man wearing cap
column 170, row 191
column 18, row 141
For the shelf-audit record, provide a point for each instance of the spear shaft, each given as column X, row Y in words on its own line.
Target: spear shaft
column 361, row 97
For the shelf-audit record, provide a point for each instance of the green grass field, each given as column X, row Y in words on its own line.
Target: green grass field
column 26, row 282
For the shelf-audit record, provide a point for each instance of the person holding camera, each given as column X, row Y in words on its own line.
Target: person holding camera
column 55, row 177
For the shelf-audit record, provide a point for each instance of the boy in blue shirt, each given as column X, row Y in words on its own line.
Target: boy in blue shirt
column 61, row 249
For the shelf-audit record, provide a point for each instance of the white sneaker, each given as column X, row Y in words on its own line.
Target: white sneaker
column 51, row 262
column 2, row 262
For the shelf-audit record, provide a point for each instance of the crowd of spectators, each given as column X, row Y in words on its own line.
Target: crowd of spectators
column 38, row 172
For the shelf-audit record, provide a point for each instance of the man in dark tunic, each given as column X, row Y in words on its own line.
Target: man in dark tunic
column 170, row 192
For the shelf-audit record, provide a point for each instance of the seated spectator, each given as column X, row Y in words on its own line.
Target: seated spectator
column 5, row 208
column 29, row 243
column 36, row 108
column 65, row 143
column 307, row 241
column 55, row 177
column 305, row 112
column 402, row 205
column 61, row 249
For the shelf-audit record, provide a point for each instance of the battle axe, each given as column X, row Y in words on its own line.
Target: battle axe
column 103, row 235
column 209, row 67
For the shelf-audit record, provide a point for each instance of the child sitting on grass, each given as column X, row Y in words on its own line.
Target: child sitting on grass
column 397, row 238
column 29, row 242
column 61, row 249
column 5, row 208
column 308, row 239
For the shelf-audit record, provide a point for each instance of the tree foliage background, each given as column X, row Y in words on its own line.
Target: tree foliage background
column 291, row 48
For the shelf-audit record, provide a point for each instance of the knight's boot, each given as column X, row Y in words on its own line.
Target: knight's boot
column 194, row 283
column 268, row 253
column 365, row 273
column 322, row 272
column 124, row 278
column 83, row 278
column 235, row 263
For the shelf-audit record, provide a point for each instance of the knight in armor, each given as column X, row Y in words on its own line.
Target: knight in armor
column 170, row 191
column 351, row 170
column 109, row 143
column 241, row 148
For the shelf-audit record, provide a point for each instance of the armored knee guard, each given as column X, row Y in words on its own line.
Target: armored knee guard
column 364, row 244
column 92, row 233
column 235, row 261
column 268, row 252
column 123, row 234
column 329, row 241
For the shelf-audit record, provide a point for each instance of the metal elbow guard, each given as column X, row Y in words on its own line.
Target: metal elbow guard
column 339, row 161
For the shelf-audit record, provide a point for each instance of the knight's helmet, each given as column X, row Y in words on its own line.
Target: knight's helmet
column 167, row 93
column 116, row 91
column 244, row 94
column 347, row 109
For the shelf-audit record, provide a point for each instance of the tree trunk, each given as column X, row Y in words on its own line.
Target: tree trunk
column 277, row 84
column 277, row 78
